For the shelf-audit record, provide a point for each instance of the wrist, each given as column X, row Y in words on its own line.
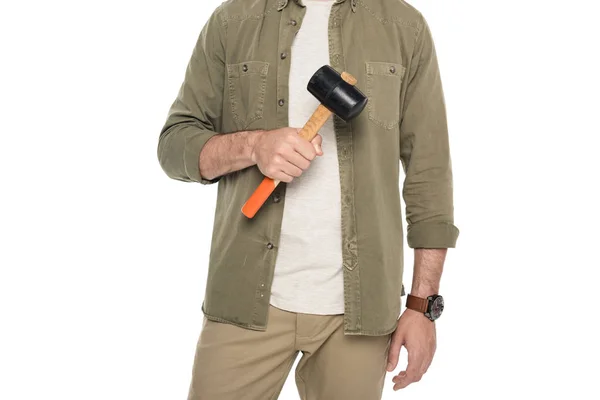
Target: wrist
column 252, row 138
column 416, row 314
column 424, row 291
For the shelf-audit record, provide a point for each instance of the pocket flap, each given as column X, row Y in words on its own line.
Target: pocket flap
column 385, row 68
column 248, row 67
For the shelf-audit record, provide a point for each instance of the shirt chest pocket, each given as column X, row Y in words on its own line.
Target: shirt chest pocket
column 384, row 80
column 247, row 83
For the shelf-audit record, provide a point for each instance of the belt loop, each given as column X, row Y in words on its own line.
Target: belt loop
column 353, row 5
column 282, row 4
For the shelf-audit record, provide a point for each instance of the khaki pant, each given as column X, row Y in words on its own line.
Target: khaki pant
column 234, row 363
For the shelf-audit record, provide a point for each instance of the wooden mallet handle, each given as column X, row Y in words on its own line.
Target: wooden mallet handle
column 308, row 132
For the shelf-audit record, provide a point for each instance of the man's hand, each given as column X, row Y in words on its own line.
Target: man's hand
column 417, row 334
column 283, row 155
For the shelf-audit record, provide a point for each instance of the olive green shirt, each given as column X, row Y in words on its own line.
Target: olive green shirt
column 237, row 80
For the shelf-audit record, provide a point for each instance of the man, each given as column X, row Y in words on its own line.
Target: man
column 319, row 268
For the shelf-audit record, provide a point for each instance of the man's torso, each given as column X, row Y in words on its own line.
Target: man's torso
column 374, row 41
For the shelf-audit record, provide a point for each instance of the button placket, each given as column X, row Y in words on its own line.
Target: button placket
column 335, row 59
column 344, row 140
column 289, row 24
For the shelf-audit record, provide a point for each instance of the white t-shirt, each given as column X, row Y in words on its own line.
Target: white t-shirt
column 308, row 270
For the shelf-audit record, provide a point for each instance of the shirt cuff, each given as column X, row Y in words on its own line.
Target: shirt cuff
column 191, row 158
column 432, row 235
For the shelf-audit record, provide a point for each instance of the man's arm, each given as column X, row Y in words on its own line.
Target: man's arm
column 416, row 332
column 196, row 114
column 429, row 264
column 190, row 147
column 223, row 154
column 279, row 154
column 427, row 192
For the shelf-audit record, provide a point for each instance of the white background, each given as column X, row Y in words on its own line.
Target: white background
column 103, row 258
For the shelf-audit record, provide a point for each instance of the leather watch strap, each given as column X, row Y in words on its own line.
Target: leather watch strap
column 417, row 303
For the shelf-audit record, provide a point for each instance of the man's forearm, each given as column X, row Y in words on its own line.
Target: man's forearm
column 227, row 153
column 429, row 264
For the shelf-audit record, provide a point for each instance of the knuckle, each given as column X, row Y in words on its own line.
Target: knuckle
column 291, row 135
column 275, row 160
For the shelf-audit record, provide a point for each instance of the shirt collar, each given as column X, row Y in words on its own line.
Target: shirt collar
column 283, row 4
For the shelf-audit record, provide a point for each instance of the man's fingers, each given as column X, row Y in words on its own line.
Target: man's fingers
column 298, row 160
column 290, row 169
column 317, row 142
column 405, row 378
column 393, row 353
column 282, row 170
column 413, row 373
column 283, row 177
column 305, row 148
column 280, row 176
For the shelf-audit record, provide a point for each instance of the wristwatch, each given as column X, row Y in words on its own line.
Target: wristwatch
column 432, row 306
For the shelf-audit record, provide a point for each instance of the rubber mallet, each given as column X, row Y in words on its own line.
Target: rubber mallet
column 337, row 94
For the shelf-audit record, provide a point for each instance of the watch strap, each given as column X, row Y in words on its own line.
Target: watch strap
column 417, row 303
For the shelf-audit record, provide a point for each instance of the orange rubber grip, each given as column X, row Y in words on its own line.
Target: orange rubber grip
column 258, row 198
column 266, row 187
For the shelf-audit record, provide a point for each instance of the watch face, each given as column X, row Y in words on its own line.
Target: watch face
column 436, row 307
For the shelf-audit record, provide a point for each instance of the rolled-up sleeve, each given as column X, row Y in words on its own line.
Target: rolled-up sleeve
column 425, row 152
column 196, row 114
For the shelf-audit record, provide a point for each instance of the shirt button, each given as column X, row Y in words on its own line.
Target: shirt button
column 262, row 285
column 281, row 102
column 283, row 56
column 293, row 22
column 262, row 295
column 244, row 68
column 276, row 198
column 269, row 245
column 393, row 69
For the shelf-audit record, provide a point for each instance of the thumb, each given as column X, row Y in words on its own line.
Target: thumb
column 317, row 141
column 393, row 353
